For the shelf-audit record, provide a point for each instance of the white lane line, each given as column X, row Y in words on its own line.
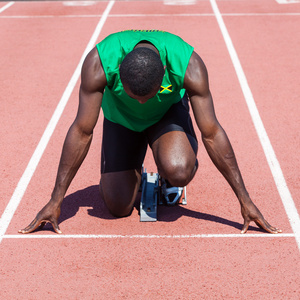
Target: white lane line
column 34, row 161
column 155, row 15
column 179, row 2
column 79, row 3
column 148, row 236
column 274, row 165
column 287, row 1
column 2, row 9
column 207, row 15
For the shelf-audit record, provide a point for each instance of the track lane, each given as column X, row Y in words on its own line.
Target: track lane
column 212, row 205
column 275, row 88
column 26, row 114
column 156, row 269
column 56, row 9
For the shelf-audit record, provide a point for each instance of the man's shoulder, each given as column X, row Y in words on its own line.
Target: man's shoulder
column 196, row 77
column 92, row 73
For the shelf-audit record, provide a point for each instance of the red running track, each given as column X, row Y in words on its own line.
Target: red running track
column 192, row 252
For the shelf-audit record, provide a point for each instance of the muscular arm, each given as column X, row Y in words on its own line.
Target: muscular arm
column 80, row 134
column 216, row 141
column 77, row 141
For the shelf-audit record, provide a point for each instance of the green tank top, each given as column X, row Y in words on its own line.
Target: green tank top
column 117, row 106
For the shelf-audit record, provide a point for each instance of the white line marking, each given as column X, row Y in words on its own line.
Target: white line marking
column 274, row 165
column 6, row 6
column 179, row 2
column 206, row 15
column 79, row 3
column 156, row 15
column 34, row 161
column 287, row 1
column 141, row 236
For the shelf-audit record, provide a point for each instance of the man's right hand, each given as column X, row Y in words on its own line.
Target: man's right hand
column 49, row 213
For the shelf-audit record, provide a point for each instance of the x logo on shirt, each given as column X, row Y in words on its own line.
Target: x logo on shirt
column 166, row 88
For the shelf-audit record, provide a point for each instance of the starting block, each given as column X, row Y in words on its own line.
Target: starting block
column 150, row 198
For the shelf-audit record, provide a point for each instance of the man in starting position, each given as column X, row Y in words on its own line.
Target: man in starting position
column 143, row 80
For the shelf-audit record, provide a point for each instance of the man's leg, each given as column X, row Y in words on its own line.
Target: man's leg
column 175, row 158
column 174, row 145
column 119, row 191
column 123, row 153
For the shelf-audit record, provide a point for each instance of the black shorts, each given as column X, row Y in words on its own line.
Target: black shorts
column 124, row 149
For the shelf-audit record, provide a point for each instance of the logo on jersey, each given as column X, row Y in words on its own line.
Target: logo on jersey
column 165, row 89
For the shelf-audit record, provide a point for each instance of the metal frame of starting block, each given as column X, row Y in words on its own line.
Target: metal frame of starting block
column 150, row 198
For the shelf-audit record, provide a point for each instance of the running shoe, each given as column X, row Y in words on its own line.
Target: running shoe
column 171, row 194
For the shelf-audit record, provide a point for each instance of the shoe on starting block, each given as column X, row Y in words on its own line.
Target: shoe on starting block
column 172, row 195
column 152, row 193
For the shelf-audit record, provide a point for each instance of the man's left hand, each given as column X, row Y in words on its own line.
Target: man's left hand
column 251, row 213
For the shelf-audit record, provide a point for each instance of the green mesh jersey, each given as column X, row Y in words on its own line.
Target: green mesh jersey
column 117, row 106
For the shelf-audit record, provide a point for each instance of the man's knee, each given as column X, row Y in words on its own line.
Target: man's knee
column 118, row 211
column 119, row 191
column 179, row 174
column 118, row 206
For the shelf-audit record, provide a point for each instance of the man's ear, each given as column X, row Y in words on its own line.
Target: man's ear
column 165, row 67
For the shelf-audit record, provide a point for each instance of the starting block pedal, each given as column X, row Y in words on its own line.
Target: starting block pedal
column 149, row 199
